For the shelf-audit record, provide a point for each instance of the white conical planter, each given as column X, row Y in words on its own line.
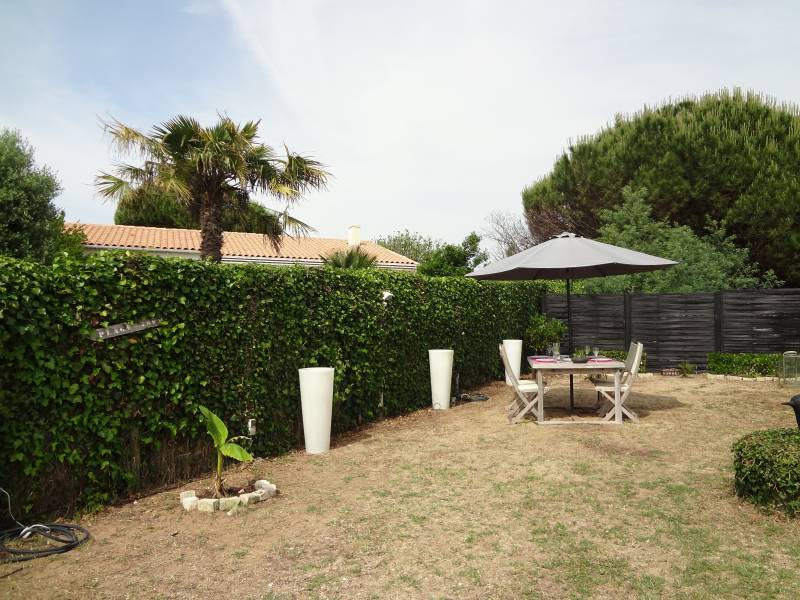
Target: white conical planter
column 441, row 375
column 513, row 350
column 316, row 399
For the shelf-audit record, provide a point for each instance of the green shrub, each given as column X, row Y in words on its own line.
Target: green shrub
column 83, row 422
column 744, row 365
column 767, row 468
column 622, row 355
column 686, row 368
column 543, row 331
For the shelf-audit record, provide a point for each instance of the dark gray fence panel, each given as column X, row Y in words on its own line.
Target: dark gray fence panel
column 761, row 321
column 674, row 328
column 596, row 320
column 644, row 325
column 684, row 327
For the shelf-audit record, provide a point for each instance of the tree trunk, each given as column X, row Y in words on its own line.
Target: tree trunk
column 219, row 490
column 211, row 227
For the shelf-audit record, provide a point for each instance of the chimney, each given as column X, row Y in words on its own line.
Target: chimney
column 354, row 236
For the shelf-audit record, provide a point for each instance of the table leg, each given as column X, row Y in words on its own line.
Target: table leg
column 540, row 397
column 571, row 395
column 617, row 399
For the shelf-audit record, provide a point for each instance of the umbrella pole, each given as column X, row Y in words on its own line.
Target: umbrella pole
column 569, row 344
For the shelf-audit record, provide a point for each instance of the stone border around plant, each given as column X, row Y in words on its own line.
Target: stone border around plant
column 231, row 505
column 739, row 378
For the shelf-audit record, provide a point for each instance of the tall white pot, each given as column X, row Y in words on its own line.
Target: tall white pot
column 316, row 399
column 513, row 350
column 441, row 376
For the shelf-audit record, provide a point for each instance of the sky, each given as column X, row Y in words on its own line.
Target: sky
column 429, row 115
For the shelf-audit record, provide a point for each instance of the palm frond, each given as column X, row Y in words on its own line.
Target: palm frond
column 294, row 226
column 111, row 187
column 179, row 134
column 127, row 140
column 353, row 258
column 302, row 174
column 173, row 183
column 136, row 175
column 250, row 130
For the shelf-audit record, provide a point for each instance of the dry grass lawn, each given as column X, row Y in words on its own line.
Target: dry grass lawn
column 459, row 504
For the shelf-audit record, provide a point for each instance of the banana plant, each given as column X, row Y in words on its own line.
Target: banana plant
column 224, row 447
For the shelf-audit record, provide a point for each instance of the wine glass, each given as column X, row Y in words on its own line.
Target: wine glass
column 586, row 350
column 595, row 351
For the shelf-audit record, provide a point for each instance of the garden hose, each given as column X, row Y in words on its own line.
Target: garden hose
column 474, row 397
column 59, row 538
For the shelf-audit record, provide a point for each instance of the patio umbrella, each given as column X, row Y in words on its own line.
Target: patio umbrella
column 569, row 256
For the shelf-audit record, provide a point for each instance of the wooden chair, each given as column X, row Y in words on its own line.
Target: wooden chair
column 606, row 390
column 522, row 404
column 601, row 380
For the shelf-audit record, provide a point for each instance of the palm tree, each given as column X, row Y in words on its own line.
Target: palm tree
column 210, row 169
column 355, row 258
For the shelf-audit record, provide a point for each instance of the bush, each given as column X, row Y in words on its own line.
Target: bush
column 83, row 422
column 744, row 365
column 686, row 368
column 543, row 331
column 767, row 468
column 622, row 355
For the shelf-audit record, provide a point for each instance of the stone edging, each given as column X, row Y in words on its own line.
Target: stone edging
column 264, row 489
column 738, row 378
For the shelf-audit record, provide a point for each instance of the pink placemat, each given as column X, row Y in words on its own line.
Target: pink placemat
column 544, row 360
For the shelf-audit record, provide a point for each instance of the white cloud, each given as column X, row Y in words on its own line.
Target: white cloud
column 429, row 114
column 432, row 114
column 59, row 119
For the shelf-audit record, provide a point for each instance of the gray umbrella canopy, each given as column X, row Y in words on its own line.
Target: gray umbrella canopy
column 571, row 257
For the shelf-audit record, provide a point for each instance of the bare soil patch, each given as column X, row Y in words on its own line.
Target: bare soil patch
column 459, row 504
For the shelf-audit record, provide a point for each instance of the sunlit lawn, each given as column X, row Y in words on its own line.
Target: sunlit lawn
column 459, row 504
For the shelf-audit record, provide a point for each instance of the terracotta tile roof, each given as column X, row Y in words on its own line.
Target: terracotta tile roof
column 245, row 245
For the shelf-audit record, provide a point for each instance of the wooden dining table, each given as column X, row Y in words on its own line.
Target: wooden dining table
column 564, row 365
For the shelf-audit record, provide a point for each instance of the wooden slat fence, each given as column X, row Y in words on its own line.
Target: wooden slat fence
column 684, row 327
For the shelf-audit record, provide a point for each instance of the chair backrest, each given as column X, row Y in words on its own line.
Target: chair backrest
column 633, row 370
column 507, row 365
column 631, row 357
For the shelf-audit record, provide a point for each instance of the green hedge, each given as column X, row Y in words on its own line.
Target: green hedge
column 622, row 355
column 744, row 365
column 83, row 422
column 767, row 468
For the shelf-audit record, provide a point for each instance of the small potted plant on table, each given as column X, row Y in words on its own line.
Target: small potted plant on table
column 579, row 356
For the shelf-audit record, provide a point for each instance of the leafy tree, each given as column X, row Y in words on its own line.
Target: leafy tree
column 148, row 207
column 413, row 245
column 452, row 259
column 209, row 169
column 31, row 226
column 151, row 207
column 354, row 258
column 706, row 263
column 731, row 156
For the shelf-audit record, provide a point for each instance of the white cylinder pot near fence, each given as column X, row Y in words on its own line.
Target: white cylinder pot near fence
column 513, row 350
column 441, row 376
column 316, row 399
